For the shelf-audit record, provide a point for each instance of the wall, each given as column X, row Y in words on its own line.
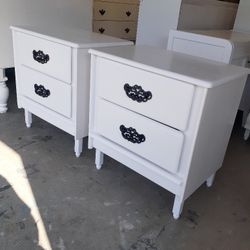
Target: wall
column 242, row 22
column 71, row 13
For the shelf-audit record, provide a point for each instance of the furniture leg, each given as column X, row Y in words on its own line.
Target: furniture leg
column 4, row 92
column 78, row 147
column 210, row 180
column 177, row 208
column 246, row 134
column 98, row 159
column 28, row 118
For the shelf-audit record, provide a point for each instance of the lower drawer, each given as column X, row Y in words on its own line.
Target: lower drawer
column 45, row 90
column 125, row 30
column 151, row 140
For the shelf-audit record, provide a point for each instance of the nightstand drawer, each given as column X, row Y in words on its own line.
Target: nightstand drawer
column 47, row 91
column 45, row 56
column 145, row 137
column 115, row 11
column 163, row 99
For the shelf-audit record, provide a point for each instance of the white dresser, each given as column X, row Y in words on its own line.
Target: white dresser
column 166, row 115
column 220, row 45
column 52, row 75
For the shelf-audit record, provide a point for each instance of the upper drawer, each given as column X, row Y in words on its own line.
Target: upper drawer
column 46, row 90
column 149, row 139
column 160, row 98
column 115, row 11
column 45, row 56
column 125, row 30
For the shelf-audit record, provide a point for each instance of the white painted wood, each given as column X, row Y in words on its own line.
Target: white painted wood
column 226, row 46
column 78, row 147
column 210, row 122
column 178, row 206
column 167, row 93
column 98, row 159
column 210, row 180
column 66, row 76
column 246, row 134
column 247, row 127
column 28, row 118
column 4, row 92
column 63, row 13
column 59, row 64
column 170, row 139
column 60, row 95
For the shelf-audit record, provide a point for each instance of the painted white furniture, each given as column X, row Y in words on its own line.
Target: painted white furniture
column 52, row 75
column 166, row 115
column 247, row 128
column 226, row 46
column 73, row 13
column 157, row 18
column 242, row 21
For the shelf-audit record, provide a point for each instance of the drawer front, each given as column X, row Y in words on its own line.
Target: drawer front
column 115, row 11
column 149, row 139
column 48, row 57
column 45, row 90
column 124, row 30
column 163, row 99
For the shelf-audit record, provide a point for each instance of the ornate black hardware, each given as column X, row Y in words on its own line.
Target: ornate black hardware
column 41, row 91
column 40, row 57
column 136, row 93
column 101, row 30
column 127, row 30
column 102, row 12
column 128, row 13
column 132, row 135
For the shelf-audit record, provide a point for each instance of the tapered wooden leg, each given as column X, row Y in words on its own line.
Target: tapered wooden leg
column 98, row 159
column 28, row 118
column 4, row 92
column 78, row 147
column 246, row 134
column 177, row 208
column 210, row 180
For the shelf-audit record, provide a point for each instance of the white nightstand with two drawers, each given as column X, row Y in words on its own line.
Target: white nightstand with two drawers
column 166, row 115
column 52, row 67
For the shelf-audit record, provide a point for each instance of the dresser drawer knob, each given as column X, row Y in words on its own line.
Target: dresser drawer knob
column 41, row 91
column 101, row 30
column 131, row 135
column 136, row 93
column 102, row 12
column 40, row 57
column 127, row 30
column 128, row 13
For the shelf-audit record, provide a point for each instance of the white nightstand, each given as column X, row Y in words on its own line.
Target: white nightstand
column 52, row 75
column 166, row 115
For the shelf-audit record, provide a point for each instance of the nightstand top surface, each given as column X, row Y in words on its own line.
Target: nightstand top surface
column 77, row 38
column 198, row 71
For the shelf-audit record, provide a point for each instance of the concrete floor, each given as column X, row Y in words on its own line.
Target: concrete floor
column 116, row 208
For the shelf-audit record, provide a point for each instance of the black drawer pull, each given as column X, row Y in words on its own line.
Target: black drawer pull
column 102, row 12
column 40, row 57
column 101, row 30
column 41, row 91
column 131, row 135
column 136, row 93
column 128, row 13
column 127, row 30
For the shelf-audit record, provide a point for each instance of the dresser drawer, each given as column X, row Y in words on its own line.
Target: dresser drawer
column 125, row 30
column 115, row 11
column 163, row 99
column 145, row 137
column 47, row 91
column 45, row 56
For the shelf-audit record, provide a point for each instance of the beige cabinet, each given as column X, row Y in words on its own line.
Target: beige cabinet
column 116, row 18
